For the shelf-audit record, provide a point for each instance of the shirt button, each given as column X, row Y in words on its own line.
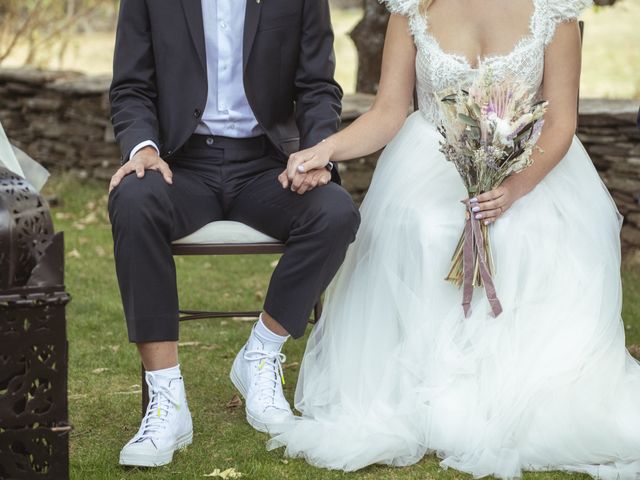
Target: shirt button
column 209, row 141
column 197, row 113
column 223, row 24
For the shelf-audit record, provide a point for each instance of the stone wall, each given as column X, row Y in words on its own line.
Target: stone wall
column 62, row 120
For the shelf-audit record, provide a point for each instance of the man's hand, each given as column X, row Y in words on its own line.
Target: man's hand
column 305, row 182
column 145, row 159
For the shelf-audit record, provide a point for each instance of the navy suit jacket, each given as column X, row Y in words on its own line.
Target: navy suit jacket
column 159, row 88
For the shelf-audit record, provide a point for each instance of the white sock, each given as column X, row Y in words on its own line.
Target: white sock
column 270, row 340
column 167, row 374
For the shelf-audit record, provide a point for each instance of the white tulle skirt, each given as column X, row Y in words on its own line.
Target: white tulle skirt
column 394, row 371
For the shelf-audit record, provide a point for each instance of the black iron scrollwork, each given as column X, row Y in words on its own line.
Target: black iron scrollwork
column 25, row 229
column 34, row 428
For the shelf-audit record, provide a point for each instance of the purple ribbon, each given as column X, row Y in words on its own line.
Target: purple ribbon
column 472, row 241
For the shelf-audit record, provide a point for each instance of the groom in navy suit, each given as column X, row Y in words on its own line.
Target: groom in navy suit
column 209, row 97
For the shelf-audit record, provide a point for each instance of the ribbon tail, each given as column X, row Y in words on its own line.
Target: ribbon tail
column 487, row 280
column 467, row 267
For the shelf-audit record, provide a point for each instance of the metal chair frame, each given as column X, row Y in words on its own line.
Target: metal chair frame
column 218, row 249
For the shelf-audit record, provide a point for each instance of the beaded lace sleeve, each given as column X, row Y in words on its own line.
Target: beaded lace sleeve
column 402, row 7
column 559, row 11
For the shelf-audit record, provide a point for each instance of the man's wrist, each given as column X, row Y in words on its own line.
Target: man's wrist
column 143, row 145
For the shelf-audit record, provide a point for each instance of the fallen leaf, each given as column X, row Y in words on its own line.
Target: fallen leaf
column 259, row 295
column 634, row 350
column 74, row 254
column 213, row 346
column 133, row 392
column 243, row 319
column 229, row 473
column 63, row 215
column 99, row 370
column 291, row 365
column 113, row 348
column 188, row 344
column 100, row 251
column 235, row 402
column 89, row 218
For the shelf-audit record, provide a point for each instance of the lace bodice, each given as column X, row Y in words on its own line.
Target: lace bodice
column 437, row 70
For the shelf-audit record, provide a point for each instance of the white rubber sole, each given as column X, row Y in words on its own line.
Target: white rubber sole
column 261, row 426
column 159, row 458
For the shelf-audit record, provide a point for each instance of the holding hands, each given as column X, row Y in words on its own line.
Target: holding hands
column 307, row 170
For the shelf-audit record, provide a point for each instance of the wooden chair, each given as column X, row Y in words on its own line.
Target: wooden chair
column 223, row 238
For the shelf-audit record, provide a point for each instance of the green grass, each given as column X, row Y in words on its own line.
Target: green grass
column 104, row 382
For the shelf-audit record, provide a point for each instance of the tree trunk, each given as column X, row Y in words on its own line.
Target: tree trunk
column 368, row 37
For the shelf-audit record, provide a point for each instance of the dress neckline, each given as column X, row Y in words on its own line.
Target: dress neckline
column 462, row 59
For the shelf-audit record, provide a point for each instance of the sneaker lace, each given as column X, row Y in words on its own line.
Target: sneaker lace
column 155, row 418
column 270, row 373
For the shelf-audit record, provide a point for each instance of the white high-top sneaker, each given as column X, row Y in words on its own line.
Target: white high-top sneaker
column 257, row 374
column 166, row 426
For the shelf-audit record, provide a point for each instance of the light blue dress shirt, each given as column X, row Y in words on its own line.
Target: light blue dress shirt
column 227, row 112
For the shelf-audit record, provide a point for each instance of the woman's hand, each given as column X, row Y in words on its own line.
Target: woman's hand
column 304, row 161
column 490, row 206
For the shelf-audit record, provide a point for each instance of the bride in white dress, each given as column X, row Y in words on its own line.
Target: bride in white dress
column 393, row 370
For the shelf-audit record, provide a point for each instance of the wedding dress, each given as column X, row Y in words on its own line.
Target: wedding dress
column 394, row 371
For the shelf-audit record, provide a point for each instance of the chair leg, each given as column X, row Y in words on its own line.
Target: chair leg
column 145, row 390
column 317, row 311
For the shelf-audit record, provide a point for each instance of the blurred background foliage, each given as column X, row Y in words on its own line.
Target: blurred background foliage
column 40, row 32
column 79, row 35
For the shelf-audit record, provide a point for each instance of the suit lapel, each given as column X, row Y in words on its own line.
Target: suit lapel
column 193, row 13
column 252, row 16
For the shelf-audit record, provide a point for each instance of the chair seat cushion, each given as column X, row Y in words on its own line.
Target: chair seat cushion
column 225, row 232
